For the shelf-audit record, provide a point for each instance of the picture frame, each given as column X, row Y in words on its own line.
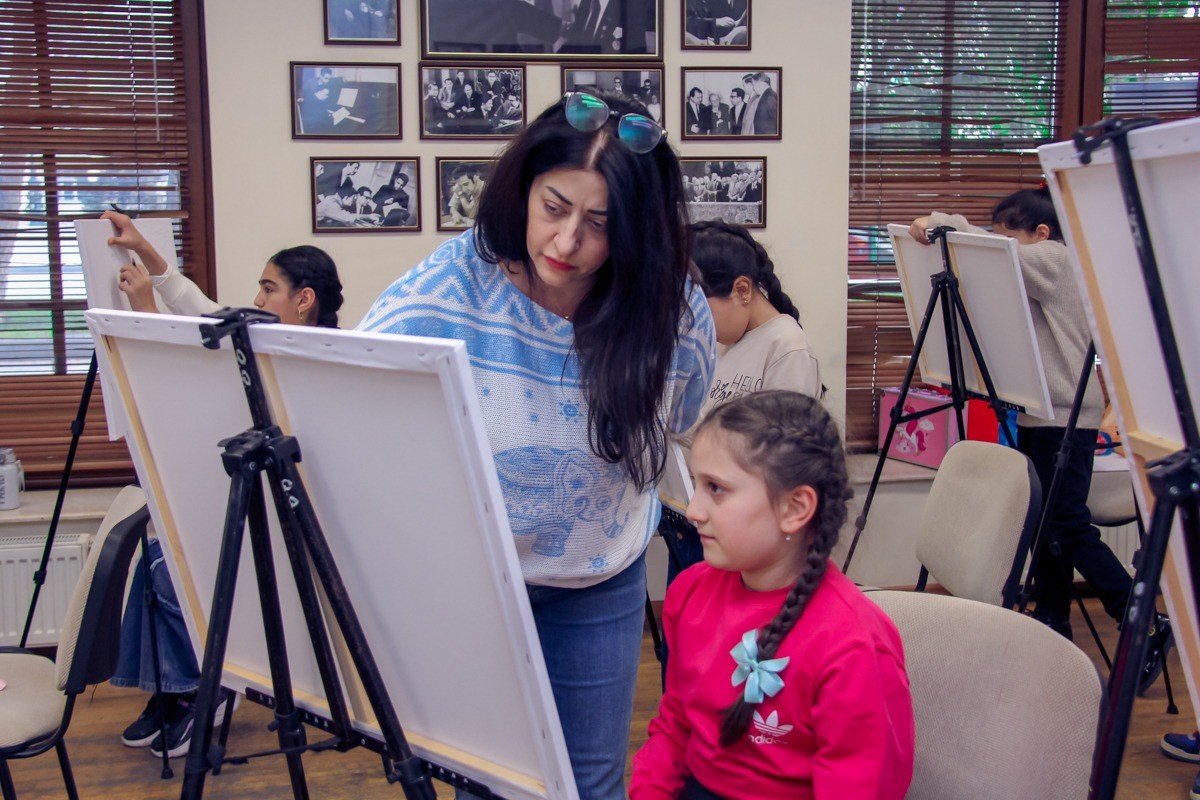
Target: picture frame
column 640, row 82
column 731, row 189
column 365, row 195
column 362, row 22
column 472, row 101
column 758, row 115
column 337, row 100
column 553, row 30
column 714, row 24
column 460, row 182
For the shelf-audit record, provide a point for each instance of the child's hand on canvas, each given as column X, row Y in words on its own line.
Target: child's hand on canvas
column 918, row 229
column 135, row 282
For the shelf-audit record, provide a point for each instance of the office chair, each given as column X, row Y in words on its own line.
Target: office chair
column 1004, row 706
column 35, row 709
column 978, row 522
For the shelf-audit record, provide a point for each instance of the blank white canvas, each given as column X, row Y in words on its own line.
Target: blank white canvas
column 675, row 488
column 101, row 263
column 396, row 462
column 1096, row 227
column 993, row 293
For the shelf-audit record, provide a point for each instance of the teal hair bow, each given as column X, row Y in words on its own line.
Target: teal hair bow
column 762, row 678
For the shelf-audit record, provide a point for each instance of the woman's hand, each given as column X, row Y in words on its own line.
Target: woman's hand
column 129, row 237
column 134, row 281
column 918, row 229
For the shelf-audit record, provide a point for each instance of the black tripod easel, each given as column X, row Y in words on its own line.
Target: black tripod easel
column 1174, row 480
column 39, row 575
column 1040, row 542
column 261, row 451
column 946, row 294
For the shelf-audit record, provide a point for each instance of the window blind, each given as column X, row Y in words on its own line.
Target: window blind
column 99, row 103
column 1152, row 58
column 949, row 99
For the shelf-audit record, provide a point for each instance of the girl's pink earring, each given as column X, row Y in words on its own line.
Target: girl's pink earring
column 787, row 538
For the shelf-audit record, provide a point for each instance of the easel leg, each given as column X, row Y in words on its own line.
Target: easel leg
column 287, row 717
column 221, row 612
column 1131, row 646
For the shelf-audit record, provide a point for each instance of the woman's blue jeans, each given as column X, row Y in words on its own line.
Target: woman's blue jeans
column 592, row 640
column 135, row 664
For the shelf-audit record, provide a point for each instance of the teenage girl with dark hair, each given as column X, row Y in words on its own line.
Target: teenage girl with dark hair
column 757, row 323
column 588, row 346
column 300, row 285
column 784, row 680
column 1060, row 322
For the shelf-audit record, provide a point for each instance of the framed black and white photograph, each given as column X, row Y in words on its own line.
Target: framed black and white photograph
column 732, row 191
column 716, row 24
column 642, row 83
column 352, row 195
column 472, row 101
column 731, row 103
column 460, row 182
column 532, row 30
column 362, row 22
column 345, row 101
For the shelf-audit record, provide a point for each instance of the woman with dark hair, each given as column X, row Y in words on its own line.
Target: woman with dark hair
column 299, row 285
column 588, row 345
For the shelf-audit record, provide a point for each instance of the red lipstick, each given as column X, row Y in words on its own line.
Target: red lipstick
column 559, row 265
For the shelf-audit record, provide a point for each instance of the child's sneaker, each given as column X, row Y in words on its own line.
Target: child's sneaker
column 1181, row 746
column 1161, row 638
column 179, row 727
column 145, row 728
column 179, row 730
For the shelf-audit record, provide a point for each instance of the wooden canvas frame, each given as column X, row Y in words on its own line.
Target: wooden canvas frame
column 993, row 293
column 1095, row 224
column 437, row 585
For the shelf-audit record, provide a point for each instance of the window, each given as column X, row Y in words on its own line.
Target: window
column 949, row 101
column 94, row 109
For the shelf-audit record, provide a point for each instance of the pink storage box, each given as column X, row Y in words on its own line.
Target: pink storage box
column 922, row 441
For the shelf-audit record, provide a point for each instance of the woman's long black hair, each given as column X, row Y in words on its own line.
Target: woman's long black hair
column 308, row 267
column 627, row 326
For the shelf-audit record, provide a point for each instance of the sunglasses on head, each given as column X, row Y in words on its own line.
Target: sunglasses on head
column 587, row 113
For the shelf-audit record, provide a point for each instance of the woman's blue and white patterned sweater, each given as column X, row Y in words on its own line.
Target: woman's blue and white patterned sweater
column 576, row 518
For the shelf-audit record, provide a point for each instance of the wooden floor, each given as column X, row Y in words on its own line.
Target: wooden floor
column 106, row 769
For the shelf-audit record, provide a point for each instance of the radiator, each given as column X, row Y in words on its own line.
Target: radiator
column 19, row 559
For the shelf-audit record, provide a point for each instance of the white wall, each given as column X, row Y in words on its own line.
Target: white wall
column 260, row 175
